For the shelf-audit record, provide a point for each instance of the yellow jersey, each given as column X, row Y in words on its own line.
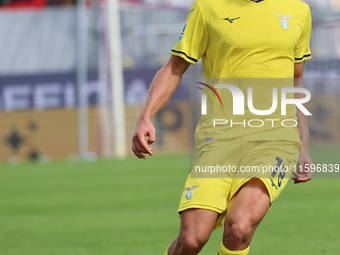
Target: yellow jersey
column 239, row 40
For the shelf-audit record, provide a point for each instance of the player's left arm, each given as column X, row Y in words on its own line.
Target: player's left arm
column 303, row 172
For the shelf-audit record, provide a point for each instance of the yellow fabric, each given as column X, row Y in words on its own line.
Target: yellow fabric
column 212, row 190
column 224, row 251
column 253, row 45
column 247, row 127
column 166, row 251
column 239, row 39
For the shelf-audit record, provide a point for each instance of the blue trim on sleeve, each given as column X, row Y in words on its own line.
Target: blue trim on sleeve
column 183, row 53
column 305, row 56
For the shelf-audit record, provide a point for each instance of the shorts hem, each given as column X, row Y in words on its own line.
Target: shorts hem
column 201, row 206
column 263, row 181
column 221, row 212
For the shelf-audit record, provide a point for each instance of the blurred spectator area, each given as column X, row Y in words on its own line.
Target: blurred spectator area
column 38, row 42
column 61, row 2
column 35, row 3
column 45, row 41
column 39, row 3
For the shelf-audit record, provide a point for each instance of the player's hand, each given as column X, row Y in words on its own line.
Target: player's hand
column 303, row 172
column 144, row 129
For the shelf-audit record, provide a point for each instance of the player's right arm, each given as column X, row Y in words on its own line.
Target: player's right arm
column 189, row 49
column 163, row 86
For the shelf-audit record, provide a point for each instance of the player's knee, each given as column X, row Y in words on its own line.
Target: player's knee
column 239, row 231
column 191, row 244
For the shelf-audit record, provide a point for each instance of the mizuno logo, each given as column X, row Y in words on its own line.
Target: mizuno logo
column 284, row 20
column 231, row 20
column 192, row 10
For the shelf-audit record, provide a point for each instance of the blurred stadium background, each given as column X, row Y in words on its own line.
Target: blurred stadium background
column 61, row 101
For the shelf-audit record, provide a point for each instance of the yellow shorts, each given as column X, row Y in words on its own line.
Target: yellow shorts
column 217, row 175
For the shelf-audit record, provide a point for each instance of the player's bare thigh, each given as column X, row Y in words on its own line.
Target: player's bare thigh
column 245, row 212
column 196, row 228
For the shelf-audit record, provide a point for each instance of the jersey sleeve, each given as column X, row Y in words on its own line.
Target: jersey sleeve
column 302, row 50
column 193, row 39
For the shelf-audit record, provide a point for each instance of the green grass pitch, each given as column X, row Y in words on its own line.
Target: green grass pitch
column 129, row 207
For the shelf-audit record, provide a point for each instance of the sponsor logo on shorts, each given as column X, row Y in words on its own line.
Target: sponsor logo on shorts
column 273, row 183
column 189, row 191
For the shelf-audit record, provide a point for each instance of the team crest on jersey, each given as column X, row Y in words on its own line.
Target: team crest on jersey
column 189, row 191
column 284, row 20
column 182, row 32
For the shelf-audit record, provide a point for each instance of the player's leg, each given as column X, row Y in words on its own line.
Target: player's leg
column 253, row 192
column 245, row 212
column 196, row 228
column 203, row 202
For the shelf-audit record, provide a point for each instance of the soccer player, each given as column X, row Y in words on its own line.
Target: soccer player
column 236, row 39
